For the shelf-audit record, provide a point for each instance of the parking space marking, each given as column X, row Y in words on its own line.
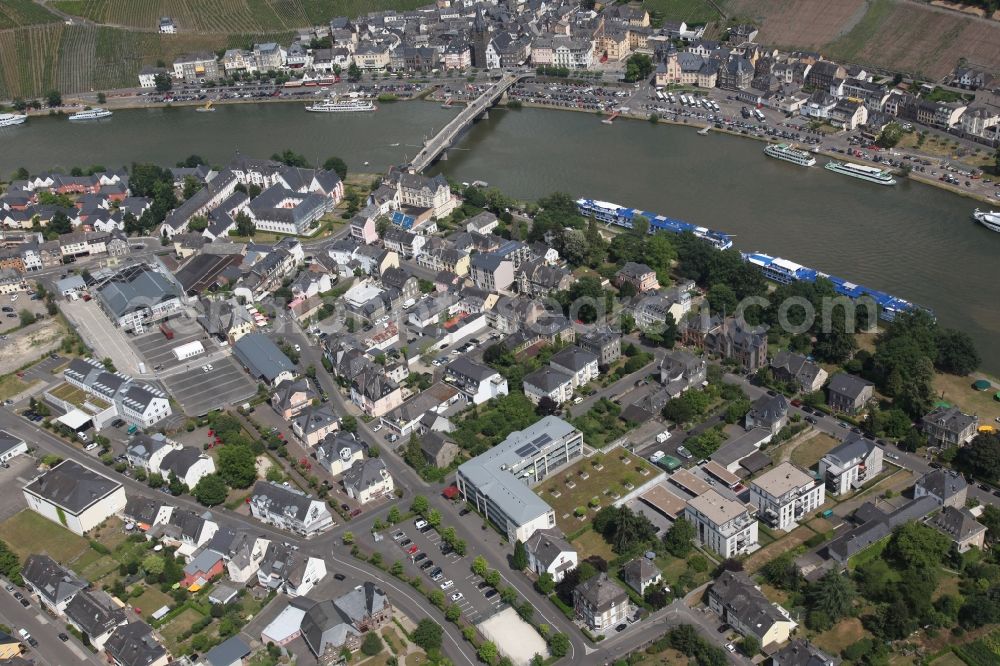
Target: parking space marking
column 41, row 619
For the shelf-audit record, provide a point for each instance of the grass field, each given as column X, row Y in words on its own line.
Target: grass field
column 17, row 13
column 177, row 626
column 591, row 543
column 808, row 453
column 11, row 385
column 152, row 600
column 959, row 392
column 27, row 532
column 842, row 634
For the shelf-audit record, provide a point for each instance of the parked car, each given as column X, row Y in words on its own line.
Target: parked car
column 399, row 535
column 63, row 637
column 339, row 576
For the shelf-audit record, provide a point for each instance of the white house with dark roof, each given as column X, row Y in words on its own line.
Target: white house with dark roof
column 95, row 616
column 315, row 423
column 961, row 525
column 134, row 644
column 640, row 573
column 289, row 509
column 548, row 382
column 338, row 452
column 11, row 445
column 549, row 552
column 768, row 411
column 477, row 382
column 75, row 496
column 368, row 480
column 600, row 603
column 290, row 571
column 851, row 465
column 53, row 584
column 795, row 368
column 947, row 487
column 847, row 393
column 578, row 363
column 118, row 395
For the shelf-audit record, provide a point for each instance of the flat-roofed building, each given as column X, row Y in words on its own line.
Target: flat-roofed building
column 785, row 494
column 726, row 526
column 498, row 482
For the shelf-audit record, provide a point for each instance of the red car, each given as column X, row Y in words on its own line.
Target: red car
column 412, row 549
column 796, row 403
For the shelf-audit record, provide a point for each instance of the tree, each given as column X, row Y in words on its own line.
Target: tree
column 519, row 562
column 53, row 98
column 545, row 584
column 394, row 515
column 679, row 539
column 337, row 165
column 479, row 566
column 832, row 594
column 237, row 465
column 153, row 564
column 750, row 645
column 915, row 545
column 956, row 353
column 211, row 490
column 27, row 317
column 559, row 645
column 60, row 223
column 547, row 406
column 487, row 652
column 492, row 578
column 981, row 457
column 163, row 82
column 638, row 67
column 428, row 634
column 453, row 613
column 419, row 505
column 434, row 517
column 288, row 157
column 353, row 72
column 890, row 135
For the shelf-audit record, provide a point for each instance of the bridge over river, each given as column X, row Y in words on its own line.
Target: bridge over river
column 434, row 147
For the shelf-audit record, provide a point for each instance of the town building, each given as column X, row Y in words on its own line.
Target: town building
column 606, row 344
column 290, row 571
column 948, row 426
column 681, row 370
column 75, row 496
column 640, row 574
column 744, row 607
column 550, row 553
column 724, row 525
column 767, row 411
column 137, row 297
column 196, row 68
column 785, row 494
column 368, row 480
column 801, row 652
column 580, row 364
column 849, row 394
column 548, row 382
column 263, row 359
column 53, row 584
column 640, row 276
column 958, row 523
column 477, row 382
column 792, row 368
column 946, row 487
column 289, row 509
column 850, row 465
column 95, row 615
column 134, row 644
column 600, row 603
column 498, row 482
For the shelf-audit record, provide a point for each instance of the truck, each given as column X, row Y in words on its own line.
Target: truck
column 167, row 331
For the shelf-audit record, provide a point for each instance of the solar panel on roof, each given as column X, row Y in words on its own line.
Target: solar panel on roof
column 542, row 440
column 525, row 450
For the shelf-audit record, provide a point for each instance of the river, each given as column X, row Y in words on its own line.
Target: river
column 911, row 240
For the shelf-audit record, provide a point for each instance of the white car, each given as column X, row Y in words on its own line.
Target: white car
column 730, row 647
column 448, row 584
column 420, row 524
column 458, row 596
column 376, row 427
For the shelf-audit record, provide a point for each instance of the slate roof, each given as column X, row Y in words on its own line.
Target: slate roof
column 323, row 626
column 364, row 474
column 134, row 288
column 547, row 545
column 960, row 524
column 943, row 483
column 262, row 356
column 547, row 379
column 94, row 613
column 52, row 580
column 231, row 651
column 601, row 593
column 741, row 597
column 573, row 358
column 848, row 385
column 134, row 645
column 72, row 486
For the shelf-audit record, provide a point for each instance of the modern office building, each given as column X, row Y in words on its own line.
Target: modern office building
column 726, row 526
column 498, row 482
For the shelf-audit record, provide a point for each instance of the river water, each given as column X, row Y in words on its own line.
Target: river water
column 911, row 240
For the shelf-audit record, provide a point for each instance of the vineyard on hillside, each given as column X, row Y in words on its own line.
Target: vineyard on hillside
column 231, row 16
column 17, row 13
column 81, row 58
column 28, row 59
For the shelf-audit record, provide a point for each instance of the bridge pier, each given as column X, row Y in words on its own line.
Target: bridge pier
column 444, row 155
column 486, row 115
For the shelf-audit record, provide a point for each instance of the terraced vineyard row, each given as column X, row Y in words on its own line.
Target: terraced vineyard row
column 213, row 16
column 28, row 59
column 76, row 58
column 17, row 13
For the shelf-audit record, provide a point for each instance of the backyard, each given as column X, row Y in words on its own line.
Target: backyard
column 959, row 392
column 578, row 492
column 811, row 449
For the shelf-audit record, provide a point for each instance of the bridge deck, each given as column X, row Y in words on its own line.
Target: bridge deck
column 440, row 142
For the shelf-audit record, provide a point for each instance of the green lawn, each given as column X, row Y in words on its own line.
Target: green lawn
column 177, row 626
column 613, row 476
column 691, row 11
column 152, row 600
column 11, row 385
column 591, row 543
column 808, row 453
column 28, row 532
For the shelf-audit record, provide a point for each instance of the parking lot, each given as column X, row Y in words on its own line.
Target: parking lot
column 12, row 304
column 475, row 606
column 158, row 351
column 101, row 335
column 199, row 391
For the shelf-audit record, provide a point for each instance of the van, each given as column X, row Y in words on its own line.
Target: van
column 663, row 436
column 577, row 400
column 656, row 457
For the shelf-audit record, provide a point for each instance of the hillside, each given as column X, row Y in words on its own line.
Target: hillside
column 80, row 58
column 17, row 13
column 898, row 35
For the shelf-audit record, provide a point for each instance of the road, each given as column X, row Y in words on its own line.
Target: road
column 50, row 651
